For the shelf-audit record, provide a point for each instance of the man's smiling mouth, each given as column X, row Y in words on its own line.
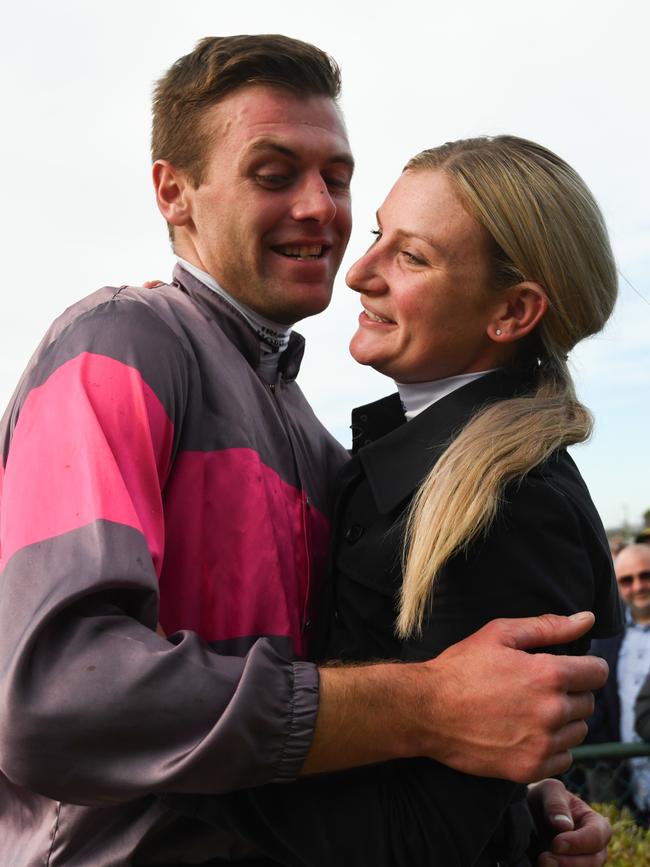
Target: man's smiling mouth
column 302, row 251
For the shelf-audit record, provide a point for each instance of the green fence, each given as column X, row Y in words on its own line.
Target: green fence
column 601, row 772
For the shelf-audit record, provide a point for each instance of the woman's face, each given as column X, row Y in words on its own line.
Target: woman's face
column 425, row 287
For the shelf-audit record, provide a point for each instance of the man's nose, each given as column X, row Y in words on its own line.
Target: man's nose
column 314, row 202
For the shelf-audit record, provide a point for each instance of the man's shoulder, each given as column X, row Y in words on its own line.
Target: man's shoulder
column 133, row 307
column 131, row 327
column 120, row 322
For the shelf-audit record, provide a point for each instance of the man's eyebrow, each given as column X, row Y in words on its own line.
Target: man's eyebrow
column 270, row 144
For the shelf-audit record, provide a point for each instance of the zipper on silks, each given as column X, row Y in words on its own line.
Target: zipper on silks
column 305, row 505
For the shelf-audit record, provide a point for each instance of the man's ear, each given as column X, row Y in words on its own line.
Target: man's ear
column 172, row 193
column 519, row 313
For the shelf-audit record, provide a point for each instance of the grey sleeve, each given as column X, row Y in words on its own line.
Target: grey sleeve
column 96, row 708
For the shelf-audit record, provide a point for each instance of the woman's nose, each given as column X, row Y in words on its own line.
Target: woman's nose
column 364, row 275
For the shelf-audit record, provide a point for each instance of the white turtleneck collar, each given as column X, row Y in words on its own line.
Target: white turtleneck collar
column 418, row 396
column 274, row 337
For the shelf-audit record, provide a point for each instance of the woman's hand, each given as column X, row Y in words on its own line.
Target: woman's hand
column 579, row 836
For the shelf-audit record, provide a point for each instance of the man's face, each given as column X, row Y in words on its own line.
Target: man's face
column 272, row 217
column 632, row 568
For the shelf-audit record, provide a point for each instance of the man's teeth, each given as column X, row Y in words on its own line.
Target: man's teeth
column 314, row 251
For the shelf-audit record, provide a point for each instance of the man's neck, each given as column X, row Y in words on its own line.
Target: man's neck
column 274, row 337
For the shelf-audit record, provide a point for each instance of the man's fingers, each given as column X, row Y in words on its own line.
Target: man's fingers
column 592, row 832
column 526, row 633
column 557, row 764
column 579, row 834
column 550, row 803
column 565, row 739
column 575, row 675
column 586, row 673
column 549, row 697
column 580, row 705
column 569, row 736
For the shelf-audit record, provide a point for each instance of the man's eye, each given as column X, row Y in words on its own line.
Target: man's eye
column 272, row 182
column 337, row 182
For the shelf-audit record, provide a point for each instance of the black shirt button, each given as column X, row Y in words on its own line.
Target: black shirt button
column 354, row 533
column 306, row 626
column 363, row 417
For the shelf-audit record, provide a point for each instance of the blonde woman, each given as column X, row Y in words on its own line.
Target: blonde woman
column 460, row 503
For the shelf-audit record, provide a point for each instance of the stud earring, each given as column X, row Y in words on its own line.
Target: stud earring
column 498, row 332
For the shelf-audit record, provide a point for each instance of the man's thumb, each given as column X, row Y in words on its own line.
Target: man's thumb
column 529, row 632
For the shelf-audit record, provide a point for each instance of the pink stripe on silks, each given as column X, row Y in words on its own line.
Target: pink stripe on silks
column 93, row 442
column 2, row 475
column 236, row 561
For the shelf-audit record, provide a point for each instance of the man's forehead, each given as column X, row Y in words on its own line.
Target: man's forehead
column 258, row 112
column 631, row 558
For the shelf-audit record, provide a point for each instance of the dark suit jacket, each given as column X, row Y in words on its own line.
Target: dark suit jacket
column 604, row 724
column 643, row 711
column 546, row 552
column 607, row 780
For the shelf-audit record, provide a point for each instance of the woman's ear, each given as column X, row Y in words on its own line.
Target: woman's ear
column 173, row 193
column 519, row 313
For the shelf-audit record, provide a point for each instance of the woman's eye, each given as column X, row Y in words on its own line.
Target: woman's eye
column 412, row 259
column 376, row 233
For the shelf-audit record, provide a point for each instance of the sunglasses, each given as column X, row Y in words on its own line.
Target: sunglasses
column 626, row 580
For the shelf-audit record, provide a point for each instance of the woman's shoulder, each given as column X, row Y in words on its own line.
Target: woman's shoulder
column 550, row 517
column 558, row 484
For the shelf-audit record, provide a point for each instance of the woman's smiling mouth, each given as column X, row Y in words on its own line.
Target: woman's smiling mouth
column 373, row 317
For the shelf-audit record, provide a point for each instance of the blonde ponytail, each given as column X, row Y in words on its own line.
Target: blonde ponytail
column 461, row 496
column 546, row 227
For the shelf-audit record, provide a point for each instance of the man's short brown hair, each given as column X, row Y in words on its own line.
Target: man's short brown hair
column 218, row 66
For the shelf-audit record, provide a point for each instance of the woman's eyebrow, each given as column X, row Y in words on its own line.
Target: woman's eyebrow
column 406, row 233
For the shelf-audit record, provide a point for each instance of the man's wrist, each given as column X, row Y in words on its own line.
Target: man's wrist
column 367, row 714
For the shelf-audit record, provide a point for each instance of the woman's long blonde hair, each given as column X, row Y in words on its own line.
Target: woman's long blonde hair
column 546, row 227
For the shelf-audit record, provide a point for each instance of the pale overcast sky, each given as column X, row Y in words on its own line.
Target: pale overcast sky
column 79, row 211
